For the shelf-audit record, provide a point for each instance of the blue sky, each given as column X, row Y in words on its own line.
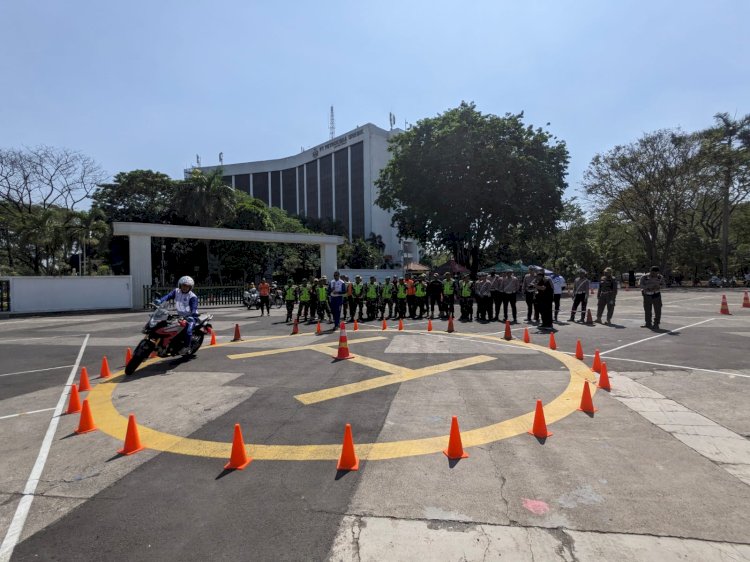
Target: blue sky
column 150, row 84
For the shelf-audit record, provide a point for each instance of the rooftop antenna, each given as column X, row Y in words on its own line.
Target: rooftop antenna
column 391, row 120
column 198, row 160
column 221, row 158
column 332, row 125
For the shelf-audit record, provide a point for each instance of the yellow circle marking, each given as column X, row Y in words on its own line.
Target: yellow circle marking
column 111, row 422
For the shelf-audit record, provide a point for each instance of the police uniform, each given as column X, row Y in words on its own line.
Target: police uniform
column 372, row 294
column 358, row 295
column 435, row 295
column 544, row 299
column 386, row 299
column 449, row 291
column 420, row 291
column 290, row 298
column 483, row 290
column 401, row 299
column 510, row 291
column 465, row 292
column 529, row 290
column 606, row 296
column 651, row 286
column 305, row 296
column 580, row 295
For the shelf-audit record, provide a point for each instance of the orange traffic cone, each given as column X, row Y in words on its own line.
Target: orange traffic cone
column 746, row 301
column 343, row 352
column 237, row 336
column 526, row 338
column 213, row 337
column 450, row 324
column 539, row 429
column 589, row 319
column 104, row 371
column 455, row 449
column 604, row 378
column 724, row 306
column 83, row 383
column 128, row 355
column 295, row 328
column 400, row 325
column 86, row 421
column 356, row 325
column 587, row 404
column 429, row 325
column 508, row 336
column 552, row 342
column 74, row 404
column 385, row 324
column 348, row 459
column 597, row 365
column 579, row 350
column 239, row 459
column 318, row 329
column 132, row 439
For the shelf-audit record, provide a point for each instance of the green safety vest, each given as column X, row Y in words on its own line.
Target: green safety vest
column 448, row 287
column 420, row 290
column 372, row 291
column 322, row 293
column 465, row 289
column 387, row 290
column 401, row 292
column 290, row 293
column 304, row 293
column 357, row 289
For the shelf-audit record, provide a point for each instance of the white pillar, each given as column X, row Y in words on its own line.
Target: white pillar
column 328, row 260
column 140, row 266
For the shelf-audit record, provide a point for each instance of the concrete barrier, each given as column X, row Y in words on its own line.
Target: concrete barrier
column 63, row 294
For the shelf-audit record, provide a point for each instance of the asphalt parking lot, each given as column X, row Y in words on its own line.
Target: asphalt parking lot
column 661, row 471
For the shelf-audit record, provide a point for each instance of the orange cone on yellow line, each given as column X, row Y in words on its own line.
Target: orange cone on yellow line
column 526, row 338
column 455, row 448
column 343, row 352
column 104, row 371
column 429, row 325
column 400, row 325
column 385, row 324
column 746, row 301
column 356, row 325
column 213, row 337
column 597, row 366
column 239, row 458
column 132, row 439
column 508, row 336
column 579, row 350
column 83, row 383
column 318, row 329
column 724, row 305
column 237, row 336
column 587, row 404
column 128, row 355
column 539, row 429
column 74, row 403
column 552, row 342
column 348, row 459
column 295, row 327
column 604, row 378
column 86, row 421
column 450, row 324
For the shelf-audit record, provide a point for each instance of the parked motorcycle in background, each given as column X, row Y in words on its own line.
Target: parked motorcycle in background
column 251, row 298
column 164, row 334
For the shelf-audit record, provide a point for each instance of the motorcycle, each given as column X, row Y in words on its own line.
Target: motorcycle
column 164, row 334
column 251, row 299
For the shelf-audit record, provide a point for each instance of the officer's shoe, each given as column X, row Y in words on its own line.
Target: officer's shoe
column 646, row 326
column 656, row 326
column 598, row 321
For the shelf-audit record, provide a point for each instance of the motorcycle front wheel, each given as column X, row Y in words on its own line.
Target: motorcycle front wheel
column 140, row 354
column 196, row 342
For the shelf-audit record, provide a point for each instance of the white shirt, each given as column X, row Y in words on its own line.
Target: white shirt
column 558, row 282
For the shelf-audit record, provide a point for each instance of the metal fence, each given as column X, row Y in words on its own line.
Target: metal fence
column 4, row 295
column 210, row 295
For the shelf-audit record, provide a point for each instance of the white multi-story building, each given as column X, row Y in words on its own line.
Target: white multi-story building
column 335, row 180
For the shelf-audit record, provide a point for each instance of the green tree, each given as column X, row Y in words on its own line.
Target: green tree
column 137, row 196
column 461, row 180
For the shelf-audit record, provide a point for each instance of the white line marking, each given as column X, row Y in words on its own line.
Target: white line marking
column 35, row 371
column 679, row 367
column 654, row 337
column 25, row 413
column 19, row 519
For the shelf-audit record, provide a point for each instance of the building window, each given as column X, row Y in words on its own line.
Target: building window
column 326, row 187
column 242, row 182
column 358, row 190
column 301, row 189
column 260, row 186
column 289, row 187
column 341, row 168
column 312, row 188
column 275, row 189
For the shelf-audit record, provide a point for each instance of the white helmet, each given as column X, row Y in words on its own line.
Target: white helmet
column 186, row 280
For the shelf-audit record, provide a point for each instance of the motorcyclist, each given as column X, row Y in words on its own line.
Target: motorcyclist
column 186, row 305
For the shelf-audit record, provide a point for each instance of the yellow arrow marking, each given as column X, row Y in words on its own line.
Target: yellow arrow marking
column 398, row 375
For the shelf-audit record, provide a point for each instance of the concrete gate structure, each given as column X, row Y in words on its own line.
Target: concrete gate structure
column 140, row 234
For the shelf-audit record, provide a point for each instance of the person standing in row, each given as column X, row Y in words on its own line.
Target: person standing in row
column 545, row 292
column 420, row 292
column 449, row 290
column 510, row 291
column 483, row 290
column 528, row 287
column 386, row 299
column 581, row 287
column 372, row 294
column 401, row 298
column 347, row 303
column 496, row 290
column 465, row 295
column 411, row 296
column 264, row 290
column 651, row 286
column 435, row 294
column 305, row 294
column 358, row 295
column 337, row 290
column 558, row 282
column 322, row 293
column 314, row 298
column 606, row 296
column 290, row 298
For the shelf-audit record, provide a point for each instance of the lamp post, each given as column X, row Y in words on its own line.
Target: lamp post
column 163, row 249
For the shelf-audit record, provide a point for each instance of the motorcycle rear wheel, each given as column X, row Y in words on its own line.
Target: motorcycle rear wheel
column 140, row 354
